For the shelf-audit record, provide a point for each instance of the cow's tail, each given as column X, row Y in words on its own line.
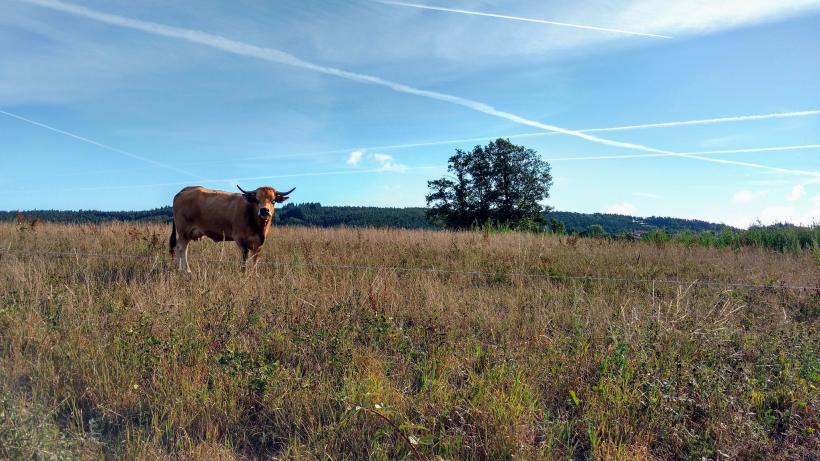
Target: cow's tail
column 172, row 242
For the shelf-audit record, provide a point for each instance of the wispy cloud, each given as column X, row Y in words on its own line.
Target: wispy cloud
column 99, row 144
column 281, row 57
column 768, row 182
column 700, row 17
column 519, row 18
column 355, row 157
column 699, row 153
column 649, row 195
column 748, row 196
column 623, row 208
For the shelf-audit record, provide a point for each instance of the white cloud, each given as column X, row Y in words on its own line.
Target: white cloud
column 777, row 214
column 805, row 213
column 804, row 216
column 747, row 196
column 380, row 162
column 705, row 16
column 621, row 208
column 813, row 216
column 355, row 157
column 797, row 192
column 387, row 163
column 382, row 158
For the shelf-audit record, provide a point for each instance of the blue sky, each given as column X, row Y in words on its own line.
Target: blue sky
column 165, row 95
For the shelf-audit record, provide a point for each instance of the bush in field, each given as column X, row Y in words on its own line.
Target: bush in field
column 656, row 236
column 596, row 231
column 557, row 226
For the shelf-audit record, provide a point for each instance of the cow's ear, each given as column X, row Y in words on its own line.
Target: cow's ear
column 282, row 196
column 251, row 198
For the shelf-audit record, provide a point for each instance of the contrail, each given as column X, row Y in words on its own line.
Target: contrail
column 446, row 142
column 705, row 152
column 98, row 144
column 519, row 18
column 277, row 56
column 707, row 121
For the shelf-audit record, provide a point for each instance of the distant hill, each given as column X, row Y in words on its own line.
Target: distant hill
column 314, row 214
column 618, row 224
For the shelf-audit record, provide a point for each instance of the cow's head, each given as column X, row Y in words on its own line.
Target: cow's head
column 263, row 200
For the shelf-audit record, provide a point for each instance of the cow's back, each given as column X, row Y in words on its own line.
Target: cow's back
column 201, row 211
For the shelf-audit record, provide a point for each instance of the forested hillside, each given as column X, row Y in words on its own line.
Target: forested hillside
column 618, row 224
column 314, row 214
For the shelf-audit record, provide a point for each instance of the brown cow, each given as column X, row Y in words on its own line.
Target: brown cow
column 222, row 216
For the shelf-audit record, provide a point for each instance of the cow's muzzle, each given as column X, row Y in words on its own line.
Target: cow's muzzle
column 264, row 213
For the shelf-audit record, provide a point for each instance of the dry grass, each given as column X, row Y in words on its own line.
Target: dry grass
column 121, row 358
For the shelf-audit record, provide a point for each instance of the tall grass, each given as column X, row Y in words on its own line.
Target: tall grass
column 122, row 358
column 777, row 238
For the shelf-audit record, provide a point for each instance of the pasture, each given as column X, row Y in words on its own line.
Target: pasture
column 330, row 352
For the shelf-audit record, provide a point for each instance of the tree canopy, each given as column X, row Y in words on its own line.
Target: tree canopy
column 500, row 183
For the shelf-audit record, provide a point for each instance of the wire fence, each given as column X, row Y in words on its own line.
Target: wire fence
column 74, row 253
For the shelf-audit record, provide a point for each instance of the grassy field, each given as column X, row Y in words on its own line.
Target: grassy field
column 311, row 357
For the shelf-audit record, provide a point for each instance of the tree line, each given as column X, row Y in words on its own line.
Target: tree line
column 318, row 215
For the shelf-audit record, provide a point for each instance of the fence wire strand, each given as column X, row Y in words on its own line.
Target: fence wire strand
column 431, row 270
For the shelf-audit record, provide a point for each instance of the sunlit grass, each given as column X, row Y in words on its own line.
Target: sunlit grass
column 116, row 358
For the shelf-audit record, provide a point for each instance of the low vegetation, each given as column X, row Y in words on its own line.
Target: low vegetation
column 778, row 238
column 330, row 352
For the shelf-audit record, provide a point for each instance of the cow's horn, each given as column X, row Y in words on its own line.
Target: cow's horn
column 243, row 190
column 286, row 193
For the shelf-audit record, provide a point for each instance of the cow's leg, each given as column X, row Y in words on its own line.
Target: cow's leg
column 254, row 255
column 181, row 255
column 245, row 249
column 176, row 253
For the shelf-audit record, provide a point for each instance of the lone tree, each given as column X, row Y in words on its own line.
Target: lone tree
column 500, row 183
